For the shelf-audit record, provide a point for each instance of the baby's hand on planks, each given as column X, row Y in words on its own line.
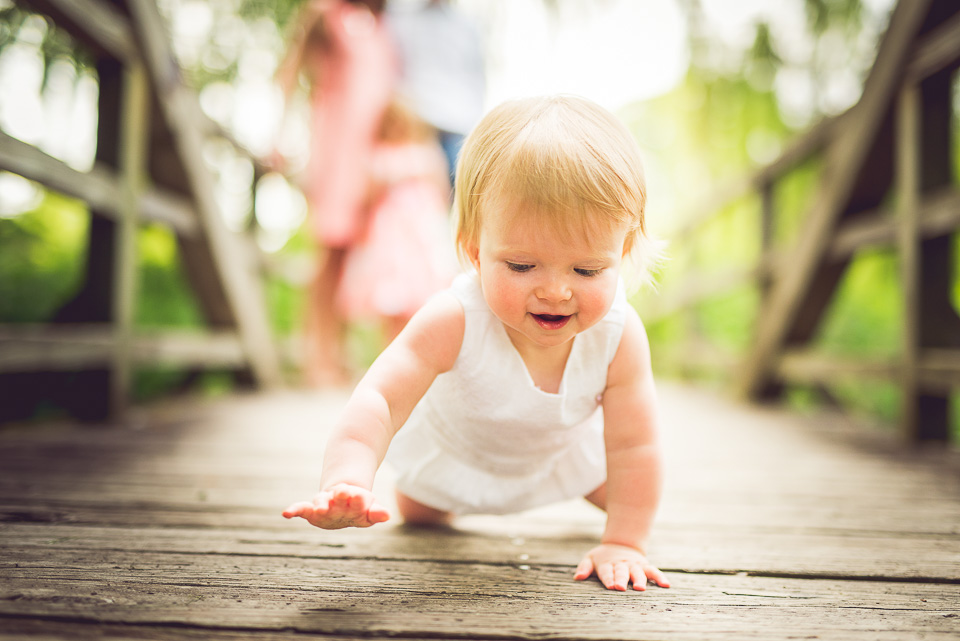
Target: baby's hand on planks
column 340, row 506
column 616, row 565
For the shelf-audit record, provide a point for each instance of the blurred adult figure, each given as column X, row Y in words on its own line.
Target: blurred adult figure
column 345, row 53
column 441, row 67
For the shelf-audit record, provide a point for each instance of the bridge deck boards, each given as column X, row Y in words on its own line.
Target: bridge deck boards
column 773, row 526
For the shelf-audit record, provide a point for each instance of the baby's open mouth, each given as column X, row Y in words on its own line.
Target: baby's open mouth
column 551, row 321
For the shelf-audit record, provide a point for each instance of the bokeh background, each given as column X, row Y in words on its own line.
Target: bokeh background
column 711, row 89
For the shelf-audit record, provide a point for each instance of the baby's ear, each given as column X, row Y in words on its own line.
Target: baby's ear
column 472, row 252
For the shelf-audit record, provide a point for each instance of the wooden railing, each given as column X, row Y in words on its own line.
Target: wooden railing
column 895, row 142
column 148, row 168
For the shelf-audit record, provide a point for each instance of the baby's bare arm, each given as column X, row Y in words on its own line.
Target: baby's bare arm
column 633, row 467
column 378, row 407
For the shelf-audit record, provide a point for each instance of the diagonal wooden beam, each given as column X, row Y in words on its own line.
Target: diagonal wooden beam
column 234, row 263
column 97, row 24
column 98, row 187
column 845, row 159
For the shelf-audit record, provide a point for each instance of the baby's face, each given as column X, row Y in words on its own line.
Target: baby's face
column 546, row 286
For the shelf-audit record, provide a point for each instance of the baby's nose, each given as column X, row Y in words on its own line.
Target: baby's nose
column 554, row 289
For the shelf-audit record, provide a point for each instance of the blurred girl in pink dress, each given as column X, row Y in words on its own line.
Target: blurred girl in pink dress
column 403, row 257
column 343, row 50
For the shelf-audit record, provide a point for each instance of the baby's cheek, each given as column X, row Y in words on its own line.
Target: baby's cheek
column 599, row 299
column 505, row 299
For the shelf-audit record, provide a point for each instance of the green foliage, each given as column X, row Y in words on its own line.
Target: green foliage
column 280, row 12
column 712, row 124
column 823, row 14
column 865, row 317
column 164, row 298
column 286, row 306
column 54, row 43
column 41, row 259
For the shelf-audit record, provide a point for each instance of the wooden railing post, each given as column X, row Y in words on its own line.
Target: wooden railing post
column 764, row 273
column 134, row 133
column 908, row 204
column 929, row 320
column 238, row 270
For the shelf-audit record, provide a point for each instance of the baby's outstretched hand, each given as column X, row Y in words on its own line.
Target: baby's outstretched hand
column 617, row 565
column 340, row 506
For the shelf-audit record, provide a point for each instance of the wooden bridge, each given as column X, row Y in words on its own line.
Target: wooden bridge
column 168, row 526
column 163, row 522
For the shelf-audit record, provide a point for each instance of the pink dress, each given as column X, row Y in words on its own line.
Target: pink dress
column 354, row 85
column 405, row 254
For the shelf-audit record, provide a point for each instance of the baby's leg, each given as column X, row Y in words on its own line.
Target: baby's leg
column 419, row 514
column 599, row 497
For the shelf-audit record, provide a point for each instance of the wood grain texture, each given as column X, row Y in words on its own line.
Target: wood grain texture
column 423, row 599
column 773, row 526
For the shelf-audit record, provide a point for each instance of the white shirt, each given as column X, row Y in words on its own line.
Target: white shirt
column 485, row 439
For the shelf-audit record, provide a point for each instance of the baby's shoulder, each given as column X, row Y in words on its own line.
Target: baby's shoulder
column 436, row 331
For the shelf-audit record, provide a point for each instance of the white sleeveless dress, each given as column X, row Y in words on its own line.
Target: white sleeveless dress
column 484, row 439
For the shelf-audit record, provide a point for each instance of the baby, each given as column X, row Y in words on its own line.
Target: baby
column 528, row 381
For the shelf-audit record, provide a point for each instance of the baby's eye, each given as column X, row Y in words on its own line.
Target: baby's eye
column 583, row 271
column 519, row 267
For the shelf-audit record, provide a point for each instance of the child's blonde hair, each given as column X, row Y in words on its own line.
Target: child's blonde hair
column 563, row 159
column 400, row 123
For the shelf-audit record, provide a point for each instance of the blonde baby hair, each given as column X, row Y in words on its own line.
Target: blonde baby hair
column 563, row 159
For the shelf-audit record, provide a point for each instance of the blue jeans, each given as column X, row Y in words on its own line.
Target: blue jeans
column 451, row 144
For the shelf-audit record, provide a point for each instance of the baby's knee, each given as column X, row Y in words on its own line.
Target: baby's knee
column 598, row 497
column 417, row 513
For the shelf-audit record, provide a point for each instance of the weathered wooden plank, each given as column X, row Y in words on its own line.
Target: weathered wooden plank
column 58, row 347
column 134, row 118
column 48, row 470
column 805, row 366
column 935, row 369
column 387, row 598
column 20, row 355
column 384, row 598
column 807, row 472
column 186, row 508
column 40, row 629
column 940, row 369
column 98, row 187
column 936, row 51
column 781, row 504
column 929, row 319
column 802, row 553
column 938, row 215
column 910, row 141
column 707, row 512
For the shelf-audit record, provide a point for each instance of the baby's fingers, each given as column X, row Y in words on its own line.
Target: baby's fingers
column 621, row 575
column 353, row 508
column 640, row 573
column 656, row 576
column 638, row 576
column 584, row 570
column 304, row 509
column 613, row 577
column 377, row 514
